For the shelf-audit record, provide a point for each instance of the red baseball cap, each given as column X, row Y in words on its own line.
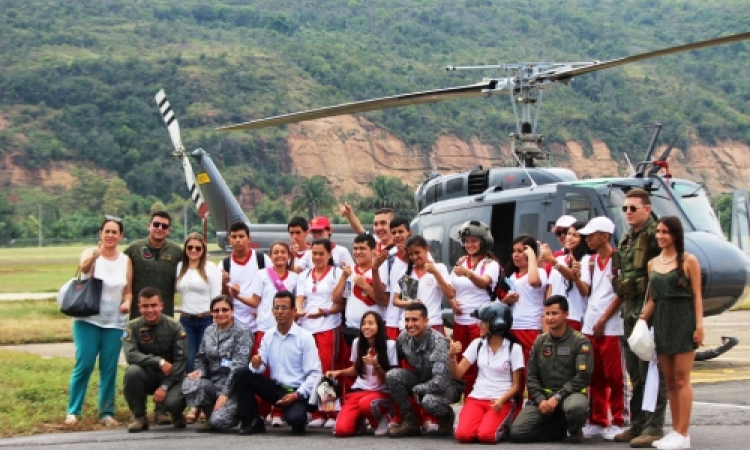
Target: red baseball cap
column 320, row 223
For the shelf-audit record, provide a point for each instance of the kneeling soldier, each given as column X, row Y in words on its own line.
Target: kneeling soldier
column 559, row 373
column 155, row 348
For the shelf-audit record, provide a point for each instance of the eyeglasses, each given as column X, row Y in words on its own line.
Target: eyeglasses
column 109, row 218
column 220, row 310
column 281, row 308
column 633, row 208
column 196, row 248
column 162, row 225
column 559, row 233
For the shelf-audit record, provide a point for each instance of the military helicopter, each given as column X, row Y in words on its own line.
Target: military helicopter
column 532, row 198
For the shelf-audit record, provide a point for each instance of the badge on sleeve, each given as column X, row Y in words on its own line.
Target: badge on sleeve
column 547, row 351
column 585, row 349
column 180, row 352
column 183, row 335
column 126, row 334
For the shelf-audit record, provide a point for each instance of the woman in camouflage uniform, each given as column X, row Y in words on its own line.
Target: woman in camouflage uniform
column 225, row 349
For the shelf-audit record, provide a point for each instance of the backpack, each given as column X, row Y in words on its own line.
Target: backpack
column 259, row 258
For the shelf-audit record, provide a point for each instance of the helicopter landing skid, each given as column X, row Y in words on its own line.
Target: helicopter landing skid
column 727, row 342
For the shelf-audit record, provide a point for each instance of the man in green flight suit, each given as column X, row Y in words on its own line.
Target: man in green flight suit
column 155, row 348
column 559, row 373
column 637, row 247
column 155, row 260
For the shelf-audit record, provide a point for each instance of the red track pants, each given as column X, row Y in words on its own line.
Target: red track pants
column 372, row 405
column 328, row 345
column 465, row 334
column 526, row 338
column 479, row 422
column 607, row 390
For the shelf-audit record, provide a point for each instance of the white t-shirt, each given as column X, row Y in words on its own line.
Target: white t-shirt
column 468, row 295
column 601, row 296
column 370, row 381
column 318, row 296
column 244, row 275
column 494, row 377
column 527, row 311
column 430, row 294
column 264, row 287
column 300, row 259
column 393, row 313
column 355, row 306
column 576, row 302
column 114, row 276
column 196, row 293
column 339, row 253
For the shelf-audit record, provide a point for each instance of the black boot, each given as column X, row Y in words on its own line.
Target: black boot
column 252, row 426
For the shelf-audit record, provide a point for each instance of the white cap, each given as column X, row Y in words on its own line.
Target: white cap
column 600, row 223
column 564, row 222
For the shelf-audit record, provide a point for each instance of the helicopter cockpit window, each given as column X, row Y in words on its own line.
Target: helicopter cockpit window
column 743, row 228
column 434, row 237
column 456, row 249
column 694, row 201
column 577, row 206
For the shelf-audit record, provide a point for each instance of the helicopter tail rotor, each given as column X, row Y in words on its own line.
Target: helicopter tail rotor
column 179, row 151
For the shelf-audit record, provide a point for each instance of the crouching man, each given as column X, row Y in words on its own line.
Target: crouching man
column 559, row 374
column 427, row 376
column 290, row 352
column 155, row 347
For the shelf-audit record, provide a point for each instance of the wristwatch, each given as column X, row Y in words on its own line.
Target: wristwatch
column 558, row 397
column 165, row 387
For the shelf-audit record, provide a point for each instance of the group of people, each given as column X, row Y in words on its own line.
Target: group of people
column 260, row 337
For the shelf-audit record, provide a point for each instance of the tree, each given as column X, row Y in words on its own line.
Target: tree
column 313, row 195
column 271, row 212
column 115, row 196
column 389, row 192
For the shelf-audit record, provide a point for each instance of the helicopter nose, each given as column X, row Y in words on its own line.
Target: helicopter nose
column 725, row 271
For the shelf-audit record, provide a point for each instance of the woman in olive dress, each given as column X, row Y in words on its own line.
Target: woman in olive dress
column 675, row 308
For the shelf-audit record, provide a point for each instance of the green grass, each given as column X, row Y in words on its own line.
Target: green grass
column 42, row 254
column 33, row 321
column 34, row 395
column 35, row 277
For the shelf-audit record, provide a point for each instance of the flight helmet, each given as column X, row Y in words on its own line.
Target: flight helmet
column 497, row 314
column 477, row 229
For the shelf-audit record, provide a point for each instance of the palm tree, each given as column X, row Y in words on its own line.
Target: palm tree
column 389, row 192
column 314, row 194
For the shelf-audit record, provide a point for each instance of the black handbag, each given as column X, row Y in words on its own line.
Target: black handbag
column 82, row 298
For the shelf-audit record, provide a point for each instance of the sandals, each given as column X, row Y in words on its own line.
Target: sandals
column 70, row 420
column 109, row 422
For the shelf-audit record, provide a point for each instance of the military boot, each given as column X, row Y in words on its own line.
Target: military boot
column 445, row 428
column 179, row 421
column 162, row 418
column 137, row 424
column 408, row 427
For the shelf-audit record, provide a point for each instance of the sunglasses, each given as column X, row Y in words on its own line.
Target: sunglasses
column 196, row 248
column 109, row 218
column 559, row 233
column 162, row 225
column 220, row 310
column 632, row 208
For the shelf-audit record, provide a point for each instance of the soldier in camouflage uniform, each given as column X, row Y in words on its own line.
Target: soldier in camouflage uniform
column 429, row 379
column 155, row 348
column 224, row 350
column 637, row 247
column 559, row 373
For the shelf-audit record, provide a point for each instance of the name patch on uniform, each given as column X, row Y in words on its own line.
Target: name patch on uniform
column 226, row 362
column 547, row 351
column 563, row 351
column 166, row 257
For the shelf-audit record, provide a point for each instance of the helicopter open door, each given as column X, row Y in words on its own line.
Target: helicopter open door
column 739, row 232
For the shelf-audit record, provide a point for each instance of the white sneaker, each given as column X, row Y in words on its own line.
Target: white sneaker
column 593, row 431
column 317, row 423
column 268, row 420
column 70, row 419
column 382, row 429
column 429, row 426
column 277, row 421
column 330, row 423
column 676, row 442
column 667, row 437
column 611, row 431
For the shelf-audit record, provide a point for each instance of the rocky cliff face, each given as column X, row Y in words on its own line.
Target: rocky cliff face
column 350, row 151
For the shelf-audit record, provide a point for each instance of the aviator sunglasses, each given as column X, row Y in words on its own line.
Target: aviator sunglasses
column 197, row 248
column 162, row 225
column 632, row 208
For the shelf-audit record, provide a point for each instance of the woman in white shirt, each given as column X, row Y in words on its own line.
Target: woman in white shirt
column 491, row 406
column 319, row 304
column 198, row 281
column 474, row 276
column 100, row 335
column 528, row 284
column 372, row 356
column 565, row 277
column 431, row 278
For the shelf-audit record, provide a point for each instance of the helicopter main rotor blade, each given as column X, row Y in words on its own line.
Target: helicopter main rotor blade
column 414, row 98
column 562, row 75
